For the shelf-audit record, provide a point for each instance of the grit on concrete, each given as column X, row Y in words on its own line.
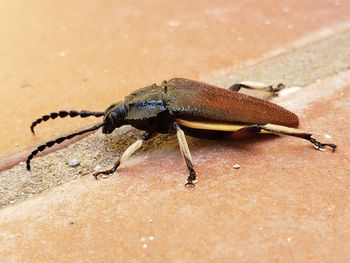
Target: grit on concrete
column 301, row 67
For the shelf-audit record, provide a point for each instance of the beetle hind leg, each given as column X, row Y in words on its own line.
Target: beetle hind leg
column 278, row 129
column 272, row 89
column 126, row 155
column 185, row 151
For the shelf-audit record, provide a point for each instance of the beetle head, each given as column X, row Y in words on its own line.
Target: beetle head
column 114, row 117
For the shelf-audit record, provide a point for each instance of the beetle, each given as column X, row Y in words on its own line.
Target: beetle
column 182, row 106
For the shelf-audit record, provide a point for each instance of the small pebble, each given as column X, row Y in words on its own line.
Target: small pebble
column 142, row 239
column 151, row 238
column 97, row 168
column 286, row 9
column 174, row 23
column 150, row 221
column 327, row 136
column 236, row 166
column 74, row 162
column 144, row 245
column 25, row 86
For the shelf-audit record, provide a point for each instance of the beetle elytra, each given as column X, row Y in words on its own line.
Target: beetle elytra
column 182, row 106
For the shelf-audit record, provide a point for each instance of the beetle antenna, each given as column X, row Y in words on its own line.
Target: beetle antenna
column 63, row 114
column 58, row 141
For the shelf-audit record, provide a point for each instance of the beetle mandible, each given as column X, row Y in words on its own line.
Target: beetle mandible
column 180, row 106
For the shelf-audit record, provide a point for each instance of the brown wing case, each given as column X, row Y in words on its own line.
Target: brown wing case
column 192, row 100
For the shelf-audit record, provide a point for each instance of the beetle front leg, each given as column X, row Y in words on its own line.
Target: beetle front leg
column 127, row 154
column 185, row 151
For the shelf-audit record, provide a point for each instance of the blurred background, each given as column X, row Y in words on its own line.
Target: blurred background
column 88, row 54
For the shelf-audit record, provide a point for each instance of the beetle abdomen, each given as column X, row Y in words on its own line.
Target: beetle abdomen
column 192, row 100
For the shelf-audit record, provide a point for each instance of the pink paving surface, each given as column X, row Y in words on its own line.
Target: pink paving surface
column 287, row 202
column 87, row 54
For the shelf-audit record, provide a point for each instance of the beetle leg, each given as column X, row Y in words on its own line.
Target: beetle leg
column 258, row 86
column 127, row 153
column 185, row 151
column 278, row 129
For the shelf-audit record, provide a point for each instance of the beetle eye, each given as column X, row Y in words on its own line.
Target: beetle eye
column 113, row 117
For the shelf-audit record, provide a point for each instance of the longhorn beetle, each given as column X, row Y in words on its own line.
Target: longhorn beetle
column 185, row 106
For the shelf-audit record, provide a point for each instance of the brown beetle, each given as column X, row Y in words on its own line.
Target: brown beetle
column 185, row 106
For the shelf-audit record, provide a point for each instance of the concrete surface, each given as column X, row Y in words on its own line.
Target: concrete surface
column 287, row 202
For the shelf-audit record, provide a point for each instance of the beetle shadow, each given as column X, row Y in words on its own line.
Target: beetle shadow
column 196, row 144
column 118, row 143
column 243, row 144
column 164, row 144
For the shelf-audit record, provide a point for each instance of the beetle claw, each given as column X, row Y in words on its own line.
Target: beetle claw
column 103, row 174
column 106, row 173
column 190, row 184
column 321, row 146
column 279, row 87
column 97, row 175
column 191, row 179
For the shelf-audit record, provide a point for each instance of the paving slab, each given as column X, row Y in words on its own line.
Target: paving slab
column 287, row 202
column 289, row 68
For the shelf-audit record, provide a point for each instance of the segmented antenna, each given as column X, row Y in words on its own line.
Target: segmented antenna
column 63, row 113
column 58, row 141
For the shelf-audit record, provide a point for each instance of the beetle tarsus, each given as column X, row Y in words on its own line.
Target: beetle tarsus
column 321, row 146
column 191, row 179
column 189, row 184
column 107, row 172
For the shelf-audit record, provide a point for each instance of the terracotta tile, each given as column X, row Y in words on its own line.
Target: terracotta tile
column 287, row 202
